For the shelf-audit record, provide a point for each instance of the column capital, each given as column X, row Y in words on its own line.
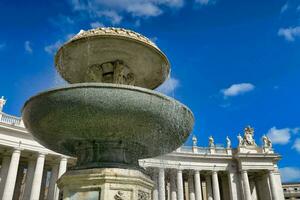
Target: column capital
column 179, row 170
column 244, row 171
column 17, row 150
column 41, row 154
column 63, row 158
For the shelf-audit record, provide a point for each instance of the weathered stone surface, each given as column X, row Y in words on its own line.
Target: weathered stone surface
column 108, row 184
column 82, row 58
column 103, row 124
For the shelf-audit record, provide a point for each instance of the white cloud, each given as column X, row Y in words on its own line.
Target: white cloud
column 146, row 9
column 281, row 136
column 290, row 33
column 62, row 21
column 237, row 89
column 96, row 24
column 114, row 9
column 169, row 86
column 2, row 45
column 58, row 81
column 297, row 145
column 27, row 46
column 284, row 7
column 204, row 2
column 289, row 174
column 52, row 48
column 112, row 16
column 154, row 39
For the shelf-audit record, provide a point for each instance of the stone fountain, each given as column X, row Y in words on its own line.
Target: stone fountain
column 109, row 116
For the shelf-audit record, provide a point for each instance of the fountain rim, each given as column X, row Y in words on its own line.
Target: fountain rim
column 110, row 35
column 108, row 85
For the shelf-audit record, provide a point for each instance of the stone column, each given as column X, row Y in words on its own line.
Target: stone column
column 18, row 184
column 191, row 187
column 208, row 187
column 43, row 184
column 279, row 190
column 273, row 186
column 155, row 189
column 246, row 185
column 29, row 179
column 11, row 175
column 62, row 169
column 197, row 185
column 234, row 190
column 253, row 189
column 161, row 184
column 4, row 170
column 216, row 188
column 173, row 186
column 37, row 177
column 180, row 193
column 52, row 182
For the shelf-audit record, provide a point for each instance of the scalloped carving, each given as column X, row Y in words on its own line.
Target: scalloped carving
column 113, row 31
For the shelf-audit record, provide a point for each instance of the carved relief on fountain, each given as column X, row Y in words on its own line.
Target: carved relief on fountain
column 110, row 72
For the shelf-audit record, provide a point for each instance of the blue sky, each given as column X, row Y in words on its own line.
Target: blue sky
column 234, row 62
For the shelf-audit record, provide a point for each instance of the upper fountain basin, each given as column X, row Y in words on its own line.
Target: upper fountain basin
column 108, row 112
column 112, row 55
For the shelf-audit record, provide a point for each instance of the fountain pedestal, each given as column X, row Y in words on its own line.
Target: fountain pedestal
column 105, row 184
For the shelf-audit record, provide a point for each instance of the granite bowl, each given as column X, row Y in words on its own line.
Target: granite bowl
column 107, row 125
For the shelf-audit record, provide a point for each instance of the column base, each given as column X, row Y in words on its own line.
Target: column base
column 105, row 184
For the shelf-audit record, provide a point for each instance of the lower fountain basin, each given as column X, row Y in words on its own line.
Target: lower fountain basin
column 107, row 125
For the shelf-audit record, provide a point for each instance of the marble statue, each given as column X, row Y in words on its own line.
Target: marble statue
column 266, row 142
column 194, row 141
column 240, row 139
column 211, row 142
column 2, row 103
column 228, row 143
column 248, row 139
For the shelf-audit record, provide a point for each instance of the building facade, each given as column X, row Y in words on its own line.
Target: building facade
column 291, row 191
column 248, row 172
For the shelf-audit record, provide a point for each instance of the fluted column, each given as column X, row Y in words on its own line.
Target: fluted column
column 29, row 179
column 208, row 187
column 180, row 193
column 216, row 188
column 4, row 170
column 246, row 185
column 173, row 186
column 37, row 177
column 197, row 185
column 62, row 169
column 161, row 184
column 11, row 175
column 273, row 186
column 191, row 187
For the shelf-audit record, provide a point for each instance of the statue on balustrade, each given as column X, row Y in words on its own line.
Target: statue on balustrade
column 194, row 141
column 228, row 142
column 248, row 139
column 266, row 142
column 211, row 142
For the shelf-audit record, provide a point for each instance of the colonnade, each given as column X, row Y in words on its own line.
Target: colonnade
column 177, row 184
column 27, row 179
